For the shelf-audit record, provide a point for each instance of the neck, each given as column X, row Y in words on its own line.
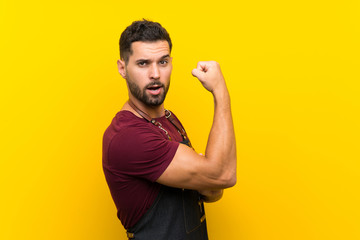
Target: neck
column 151, row 111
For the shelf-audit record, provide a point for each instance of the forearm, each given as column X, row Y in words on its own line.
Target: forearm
column 221, row 146
column 220, row 150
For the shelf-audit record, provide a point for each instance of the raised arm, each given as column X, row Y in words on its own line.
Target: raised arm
column 217, row 169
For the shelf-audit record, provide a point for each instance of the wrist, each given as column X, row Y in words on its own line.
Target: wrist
column 221, row 95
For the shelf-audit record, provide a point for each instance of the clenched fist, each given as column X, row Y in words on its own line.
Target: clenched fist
column 210, row 76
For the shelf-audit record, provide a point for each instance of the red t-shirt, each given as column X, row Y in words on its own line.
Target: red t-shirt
column 135, row 154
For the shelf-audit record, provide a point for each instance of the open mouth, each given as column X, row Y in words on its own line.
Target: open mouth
column 155, row 89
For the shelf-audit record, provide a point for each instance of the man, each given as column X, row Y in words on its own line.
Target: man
column 156, row 179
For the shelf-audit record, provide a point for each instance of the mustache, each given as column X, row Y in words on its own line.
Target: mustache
column 159, row 84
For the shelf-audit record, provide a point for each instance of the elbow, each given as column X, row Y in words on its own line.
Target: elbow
column 229, row 177
column 224, row 175
column 230, row 181
column 227, row 180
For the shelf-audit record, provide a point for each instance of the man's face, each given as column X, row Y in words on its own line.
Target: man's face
column 148, row 71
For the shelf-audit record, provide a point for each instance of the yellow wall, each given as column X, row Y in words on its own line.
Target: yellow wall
column 292, row 68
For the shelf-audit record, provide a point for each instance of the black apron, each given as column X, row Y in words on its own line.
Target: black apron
column 176, row 214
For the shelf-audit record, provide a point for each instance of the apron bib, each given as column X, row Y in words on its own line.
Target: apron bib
column 176, row 214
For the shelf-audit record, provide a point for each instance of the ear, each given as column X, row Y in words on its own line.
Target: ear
column 121, row 68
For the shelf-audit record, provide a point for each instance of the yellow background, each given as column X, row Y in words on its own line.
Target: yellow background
column 292, row 68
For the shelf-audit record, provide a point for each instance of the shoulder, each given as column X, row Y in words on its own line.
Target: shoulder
column 122, row 121
column 126, row 127
column 139, row 148
column 122, row 129
column 130, row 132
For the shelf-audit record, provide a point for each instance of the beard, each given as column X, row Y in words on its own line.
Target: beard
column 146, row 98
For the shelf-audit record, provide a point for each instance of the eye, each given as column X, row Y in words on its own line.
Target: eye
column 163, row 62
column 142, row 63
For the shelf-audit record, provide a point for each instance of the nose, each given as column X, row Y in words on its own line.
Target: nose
column 154, row 71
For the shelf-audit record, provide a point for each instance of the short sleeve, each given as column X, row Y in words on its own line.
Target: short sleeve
column 141, row 151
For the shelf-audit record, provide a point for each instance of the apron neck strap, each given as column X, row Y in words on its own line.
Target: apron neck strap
column 168, row 116
column 141, row 113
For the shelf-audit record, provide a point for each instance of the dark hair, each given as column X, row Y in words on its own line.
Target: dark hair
column 145, row 31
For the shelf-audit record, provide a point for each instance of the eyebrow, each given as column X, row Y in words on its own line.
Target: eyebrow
column 147, row 60
column 165, row 56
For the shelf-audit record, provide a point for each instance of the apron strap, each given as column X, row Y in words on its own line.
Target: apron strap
column 168, row 116
column 141, row 113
